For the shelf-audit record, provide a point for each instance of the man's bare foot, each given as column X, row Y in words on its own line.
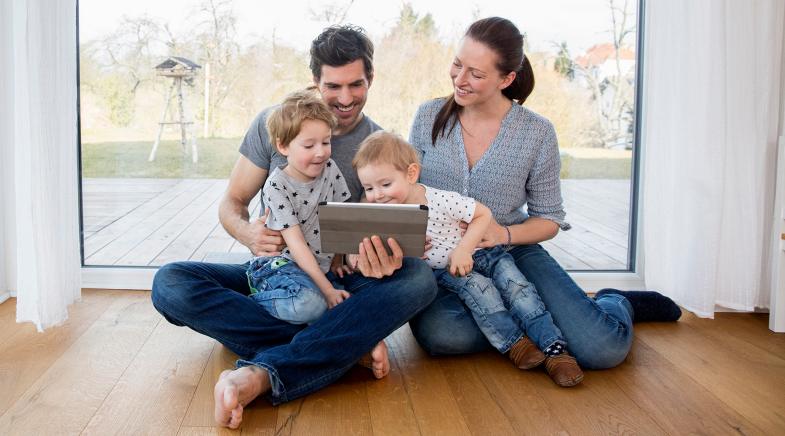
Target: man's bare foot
column 234, row 390
column 377, row 360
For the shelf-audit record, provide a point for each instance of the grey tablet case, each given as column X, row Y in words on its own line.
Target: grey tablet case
column 344, row 225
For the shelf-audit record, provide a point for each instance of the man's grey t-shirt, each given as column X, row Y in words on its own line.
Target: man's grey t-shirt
column 258, row 149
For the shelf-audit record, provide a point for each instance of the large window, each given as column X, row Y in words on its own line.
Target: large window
column 167, row 90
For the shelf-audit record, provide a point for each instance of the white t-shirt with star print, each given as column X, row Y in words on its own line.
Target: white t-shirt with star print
column 446, row 210
column 295, row 203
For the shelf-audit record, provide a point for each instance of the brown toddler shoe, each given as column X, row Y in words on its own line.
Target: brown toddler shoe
column 564, row 370
column 525, row 355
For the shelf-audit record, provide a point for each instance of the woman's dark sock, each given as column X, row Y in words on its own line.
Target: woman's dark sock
column 647, row 305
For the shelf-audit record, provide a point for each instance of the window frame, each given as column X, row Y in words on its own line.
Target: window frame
column 141, row 277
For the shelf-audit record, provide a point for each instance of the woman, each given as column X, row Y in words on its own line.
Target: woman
column 482, row 143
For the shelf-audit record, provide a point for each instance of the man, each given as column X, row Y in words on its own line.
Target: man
column 280, row 360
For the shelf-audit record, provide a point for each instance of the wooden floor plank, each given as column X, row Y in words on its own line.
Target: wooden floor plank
column 596, row 406
column 157, row 386
column 673, row 399
column 753, row 379
column 322, row 413
column 26, row 354
column 388, row 402
column 435, row 407
column 117, row 367
column 752, row 328
column 477, row 404
column 200, row 409
column 65, row 397
column 524, row 407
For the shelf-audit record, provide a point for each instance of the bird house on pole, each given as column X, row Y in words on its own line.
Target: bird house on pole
column 179, row 70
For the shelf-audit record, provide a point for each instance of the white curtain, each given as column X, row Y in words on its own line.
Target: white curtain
column 712, row 89
column 40, row 227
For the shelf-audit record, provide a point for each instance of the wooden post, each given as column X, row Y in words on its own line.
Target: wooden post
column 182, row 112
column 162, row 124
column 206, row 132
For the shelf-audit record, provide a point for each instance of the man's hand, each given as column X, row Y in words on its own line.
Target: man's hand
column 374, row 261
column 335, row 297
column 461, row 262
column 263, row 241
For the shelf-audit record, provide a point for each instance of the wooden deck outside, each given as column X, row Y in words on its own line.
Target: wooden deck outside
column 150, row 222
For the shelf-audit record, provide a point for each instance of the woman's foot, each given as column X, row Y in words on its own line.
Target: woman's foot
column 234, row 390
column 378, row 360
column 647, row 305
column 564, row 370
column 525, row 355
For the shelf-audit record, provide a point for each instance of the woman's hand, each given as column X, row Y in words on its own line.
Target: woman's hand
column 495, row 235
column 374, row 261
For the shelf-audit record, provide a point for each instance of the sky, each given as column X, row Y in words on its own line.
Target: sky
column 582, row 23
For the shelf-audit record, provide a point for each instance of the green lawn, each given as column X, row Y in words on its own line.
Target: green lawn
column 129, row 159
column 217, row 157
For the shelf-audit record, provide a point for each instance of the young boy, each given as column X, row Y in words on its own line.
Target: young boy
column 293, row 286
column 388, row 169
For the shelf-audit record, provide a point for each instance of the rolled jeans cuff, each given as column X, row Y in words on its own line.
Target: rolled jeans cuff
column 277, row 394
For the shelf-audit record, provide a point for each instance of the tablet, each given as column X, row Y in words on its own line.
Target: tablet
column 344, row 225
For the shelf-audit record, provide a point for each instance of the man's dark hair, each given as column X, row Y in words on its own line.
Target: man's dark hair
column 337, row 46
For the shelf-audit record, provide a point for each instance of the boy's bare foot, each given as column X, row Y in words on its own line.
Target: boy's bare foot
column 377, row 360
column 234, row 390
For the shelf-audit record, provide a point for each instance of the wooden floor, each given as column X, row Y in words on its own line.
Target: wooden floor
column 150, row 222
column 116, row 367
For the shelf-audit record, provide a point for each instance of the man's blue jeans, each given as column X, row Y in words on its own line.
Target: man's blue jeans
column 599, row 332
column 502, row 302
column 212, row 299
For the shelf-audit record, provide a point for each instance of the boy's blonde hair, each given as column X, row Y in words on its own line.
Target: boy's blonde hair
column 382, row 147
column 284, row 123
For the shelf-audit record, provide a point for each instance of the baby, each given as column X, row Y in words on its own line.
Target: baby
column 503, row 303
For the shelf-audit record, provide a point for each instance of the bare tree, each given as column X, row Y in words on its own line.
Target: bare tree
column 216, row 36
column 612, row 91
column 332, row 13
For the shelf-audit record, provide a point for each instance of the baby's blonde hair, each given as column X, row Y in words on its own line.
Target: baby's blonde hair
column 383, row 147
column 284, row 124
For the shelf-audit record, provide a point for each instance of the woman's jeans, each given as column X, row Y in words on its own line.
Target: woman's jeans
column 212, row 299
column 502, row 302
column 599, row 333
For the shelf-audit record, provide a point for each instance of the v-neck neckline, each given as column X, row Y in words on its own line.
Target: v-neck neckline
column 490, row 148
